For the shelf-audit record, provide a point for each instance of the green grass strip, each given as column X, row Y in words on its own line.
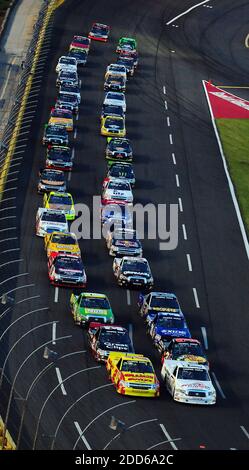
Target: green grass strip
column 234, row 134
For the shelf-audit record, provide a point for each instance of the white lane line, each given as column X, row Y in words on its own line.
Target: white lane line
column 187, row 11
column 75, row 133
column 162, row 442
column 196, row 298
column 166, row 105
column 174, row 158
column 168, row 121
column 76, row 424
column 218, row 385
column 165, row 432
column 69, row 176
column 28, row 298
column 204, row 334
column 7, row 79
column 54, row 333
column 57, row 370
column 130, row 330
column 189, row 262
column 171, row 139
column 246, row 41
column 164, row 90
column 180, row 204
column 128, row 293
column 77, row 116
column 184, row 232
column 177, row 181
column 243, row 429
column 56, row 294
column 230, row 183
column 73, row 153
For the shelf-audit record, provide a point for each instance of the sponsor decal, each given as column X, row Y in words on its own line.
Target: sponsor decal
column 226, row 105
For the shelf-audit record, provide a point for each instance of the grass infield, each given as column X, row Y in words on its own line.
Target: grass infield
column 234, row 134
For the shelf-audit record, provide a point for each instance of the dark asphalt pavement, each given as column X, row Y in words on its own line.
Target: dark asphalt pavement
column 208, row 43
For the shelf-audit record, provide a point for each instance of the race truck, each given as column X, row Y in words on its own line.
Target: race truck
column 106, row 338
column 133, row 272
column 188, row 382
column 90, row 307
column 132, row 374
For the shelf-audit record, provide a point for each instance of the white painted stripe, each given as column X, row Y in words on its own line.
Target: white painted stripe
column 246, row 41
column 196, row 298
column 73, row 153
column 28, row 298
column 69, row 176
column 77, row 116
column 128, row 293
column 162, row 442
column 180, row 204
column 165, row 432
column 218, row 385
column 177, row 181
column 171, row 139
column 168, row 121
column 230, row 184
column 7, row 78
column 174, row 158
column 204, row 334
column 82, row 436
column 189, row 262
column 75, row 133
column 130, row 330
column 187, row 11
column 166, row 105
column 184, row 232
column 54, row 333
column 244, row 431
column 57, row 370
column 56, row 294
column 164, row 90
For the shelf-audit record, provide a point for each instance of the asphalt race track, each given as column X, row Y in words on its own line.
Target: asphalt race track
column 166, row 114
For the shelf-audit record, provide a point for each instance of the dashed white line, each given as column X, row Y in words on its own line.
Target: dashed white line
column 75, row 133
column 165, row 432
column 54, row 333
column 81, row 435
column 244, row 431
column 170, row 139
column 164, row 90
column 204, row 334
column 73, row 153
column 69, row 176
column 184, row 232
column 196, row 298
column 189, row 262
column 77, row 116
column 57, row 370
column 168, row 121
column 180, row 204
column 177, row 181
column 56, row 294
column 218, row 385
column 128, row 293
column 166, row 105
column 174, row 158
